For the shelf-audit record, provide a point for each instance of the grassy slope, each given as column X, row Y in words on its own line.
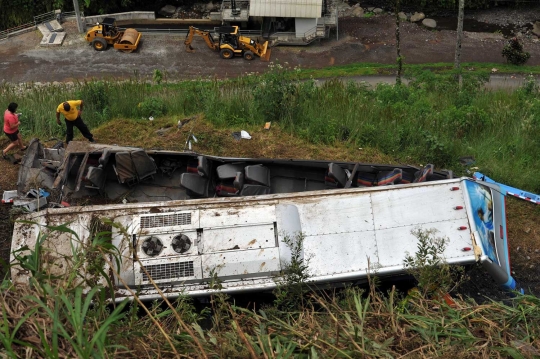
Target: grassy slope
column 347, row 324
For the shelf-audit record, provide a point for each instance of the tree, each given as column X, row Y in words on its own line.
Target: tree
column 514, row 53
column 457, row 60
column 398, row 49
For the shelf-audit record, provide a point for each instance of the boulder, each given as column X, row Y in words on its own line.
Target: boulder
column 417, row 16
column 370, row 9
column 429, row 23
column 167, row 10
column 358, row 12
column 343, row 9
column 378, row 11
column 403, row 16
column 536, row 28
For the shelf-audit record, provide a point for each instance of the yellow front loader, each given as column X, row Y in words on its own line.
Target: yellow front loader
column 230, row 43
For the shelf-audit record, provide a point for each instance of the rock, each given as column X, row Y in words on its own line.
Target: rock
column 370, row 9
column 378, row 11
column 536, row 28
column 168, row 10
column 358, row 12
column 429, row 23
column 417, row 16
column 403, row 16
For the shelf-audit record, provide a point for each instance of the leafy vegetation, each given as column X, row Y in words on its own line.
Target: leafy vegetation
column 513, row 52
column 430, row 120
column 19, row 12
column 55, row 318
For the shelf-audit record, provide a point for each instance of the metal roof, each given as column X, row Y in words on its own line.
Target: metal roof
column 286, row 8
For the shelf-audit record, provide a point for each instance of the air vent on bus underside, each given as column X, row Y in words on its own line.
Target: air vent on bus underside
column 168, row 271
column 166, row 220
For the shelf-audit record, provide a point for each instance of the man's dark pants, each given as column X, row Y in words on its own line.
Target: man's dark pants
column 78, row 122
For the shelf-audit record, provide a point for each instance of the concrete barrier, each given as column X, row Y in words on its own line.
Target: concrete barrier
column 132, row 15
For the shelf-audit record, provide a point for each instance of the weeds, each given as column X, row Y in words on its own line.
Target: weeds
column 430, row 120
column 428, row 266
column 292, row 285
column 53, row 321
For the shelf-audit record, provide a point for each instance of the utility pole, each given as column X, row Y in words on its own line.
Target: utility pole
column 337, row 21
column 80, row 25
column 398, row 49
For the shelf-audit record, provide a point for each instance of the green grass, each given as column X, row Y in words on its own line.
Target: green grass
column 53, row 318
column 366, row 69
column 431, row 120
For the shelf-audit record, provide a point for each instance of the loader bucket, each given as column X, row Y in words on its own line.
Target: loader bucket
column 190, row 49
column 265, row 52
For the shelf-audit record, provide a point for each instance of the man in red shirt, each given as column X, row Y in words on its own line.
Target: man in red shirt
column 11, row 129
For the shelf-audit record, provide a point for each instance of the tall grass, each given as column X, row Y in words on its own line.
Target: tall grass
column 52, row 320
column 430, row 120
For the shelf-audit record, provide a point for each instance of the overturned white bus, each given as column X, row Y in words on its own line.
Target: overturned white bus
column 349, row 227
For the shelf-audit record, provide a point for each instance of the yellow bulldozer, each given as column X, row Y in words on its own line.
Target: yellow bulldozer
column 230, row 43
column 107, row 33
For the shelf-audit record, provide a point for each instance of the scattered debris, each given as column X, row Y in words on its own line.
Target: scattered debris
column 267, row 125
column 512, row 191
column 163, row 131
column 467, row 160
column 9, row 196
column 35, row 199
column 241, row 135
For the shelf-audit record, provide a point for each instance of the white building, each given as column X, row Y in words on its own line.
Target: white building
column 286, row 21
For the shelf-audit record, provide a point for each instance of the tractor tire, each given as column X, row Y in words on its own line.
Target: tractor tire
column 248, row 55
column 226, row 54
column 99, row 44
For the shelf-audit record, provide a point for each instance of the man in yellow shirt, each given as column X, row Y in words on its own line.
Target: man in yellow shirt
column 73, row 118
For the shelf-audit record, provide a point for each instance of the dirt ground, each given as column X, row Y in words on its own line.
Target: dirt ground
column 360, row 40
column 22, row 60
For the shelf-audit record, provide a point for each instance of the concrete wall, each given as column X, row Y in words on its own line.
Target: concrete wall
column 133, row 15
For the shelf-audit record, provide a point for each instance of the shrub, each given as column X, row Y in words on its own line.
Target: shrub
column 95, row 94
column 513, row 52
column 152, row 107
column 428, row 265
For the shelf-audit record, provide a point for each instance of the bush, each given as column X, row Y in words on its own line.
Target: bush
column 152, row 107
column 513, row 52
